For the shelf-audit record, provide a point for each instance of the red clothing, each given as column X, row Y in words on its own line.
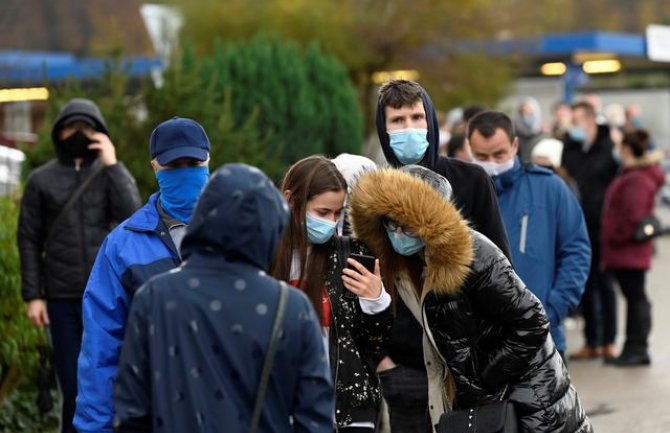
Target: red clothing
column 325, row 304
column 630, row 198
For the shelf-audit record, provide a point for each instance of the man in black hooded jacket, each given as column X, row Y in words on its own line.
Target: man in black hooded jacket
column 58, row 240
column 409, row 134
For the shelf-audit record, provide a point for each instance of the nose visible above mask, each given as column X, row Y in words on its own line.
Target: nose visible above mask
column 409, row 145
column 319, row 230
column 403, row 244
column 495, row 168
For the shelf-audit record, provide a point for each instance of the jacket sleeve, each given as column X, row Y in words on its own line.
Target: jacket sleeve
column 500, row 295
column 124, row 197
column 573, row 257
column 31, row 237
column 314, row 405
column 374, row 334
column 132, row 391
column 104, row 310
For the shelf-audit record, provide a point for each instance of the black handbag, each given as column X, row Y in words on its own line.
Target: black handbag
column 496, row 417
column 649, row 228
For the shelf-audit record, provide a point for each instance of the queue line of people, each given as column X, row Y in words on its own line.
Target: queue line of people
column 180, row 302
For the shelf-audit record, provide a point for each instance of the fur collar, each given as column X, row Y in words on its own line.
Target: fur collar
column 415, row 204
column 649, row 158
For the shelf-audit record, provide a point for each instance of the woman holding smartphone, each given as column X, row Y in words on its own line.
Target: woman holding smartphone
column 351, row 303
column 486, row 336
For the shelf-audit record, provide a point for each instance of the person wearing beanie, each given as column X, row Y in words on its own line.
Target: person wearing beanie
column 68, row 206
column 144, row 245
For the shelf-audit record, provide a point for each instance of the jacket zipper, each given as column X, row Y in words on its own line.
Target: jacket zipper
column 337, row 349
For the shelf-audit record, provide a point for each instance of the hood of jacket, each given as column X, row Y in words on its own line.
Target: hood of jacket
column 417, row 206
column 522, row 127
column 651, row 158
column 649, row 166
column 430, row 159
column 240, row 215
column 78, row 107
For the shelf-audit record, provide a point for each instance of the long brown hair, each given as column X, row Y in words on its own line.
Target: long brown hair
column 306, row 179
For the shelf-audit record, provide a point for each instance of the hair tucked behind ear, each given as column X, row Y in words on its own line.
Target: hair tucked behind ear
column 306, row 179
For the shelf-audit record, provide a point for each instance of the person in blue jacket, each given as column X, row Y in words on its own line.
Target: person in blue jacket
column 144, row 245
column 545, row 224
column 197, row 337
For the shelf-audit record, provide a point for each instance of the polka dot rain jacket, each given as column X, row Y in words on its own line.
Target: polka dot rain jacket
column 197, row 336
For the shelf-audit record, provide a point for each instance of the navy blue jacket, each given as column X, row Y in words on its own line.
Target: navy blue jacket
column 548, row 237
column 133, row 252
column 197, row 337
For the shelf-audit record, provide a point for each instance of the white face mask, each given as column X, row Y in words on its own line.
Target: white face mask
column 495, row 168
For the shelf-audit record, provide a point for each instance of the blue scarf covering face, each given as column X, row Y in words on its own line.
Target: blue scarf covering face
column 180, row 189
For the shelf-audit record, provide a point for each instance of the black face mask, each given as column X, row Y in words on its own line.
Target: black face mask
column 76, row 145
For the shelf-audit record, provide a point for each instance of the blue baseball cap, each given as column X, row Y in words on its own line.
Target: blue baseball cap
column 177, row 138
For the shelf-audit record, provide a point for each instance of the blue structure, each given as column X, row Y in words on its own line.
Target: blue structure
column 563, row 47
column 19, row 68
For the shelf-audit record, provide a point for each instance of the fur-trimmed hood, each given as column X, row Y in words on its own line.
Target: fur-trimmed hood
column 416, row 205
column 649, row 158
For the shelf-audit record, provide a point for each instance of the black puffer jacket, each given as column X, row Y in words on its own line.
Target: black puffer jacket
column 60, row 269
column 487, row 327
column 473, row 194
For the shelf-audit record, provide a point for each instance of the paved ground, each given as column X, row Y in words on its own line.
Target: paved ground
column 635, row 400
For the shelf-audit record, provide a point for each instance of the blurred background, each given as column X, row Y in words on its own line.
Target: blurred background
column 276, row 80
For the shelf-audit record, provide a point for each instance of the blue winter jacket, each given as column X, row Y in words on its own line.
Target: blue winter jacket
column 133, row 252
column 197, row 337
column 548, row 238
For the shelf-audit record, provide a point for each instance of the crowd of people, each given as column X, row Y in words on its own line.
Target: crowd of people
column 434, row 288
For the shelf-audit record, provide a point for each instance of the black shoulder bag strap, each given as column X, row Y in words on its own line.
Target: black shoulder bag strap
column 343, row 251
column 269, row 357
column 73, row 199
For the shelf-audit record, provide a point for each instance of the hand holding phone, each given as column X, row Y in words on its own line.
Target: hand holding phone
column 361, row 277
column 367, row 261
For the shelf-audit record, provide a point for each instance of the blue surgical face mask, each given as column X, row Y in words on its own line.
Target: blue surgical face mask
column 319, row 230
column 577, row 134
column 528, row 120
column 403, row 244
column 409, row 145
column 180, row 189
column 495, row 168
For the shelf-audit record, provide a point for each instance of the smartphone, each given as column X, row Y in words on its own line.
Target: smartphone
column 367, row 261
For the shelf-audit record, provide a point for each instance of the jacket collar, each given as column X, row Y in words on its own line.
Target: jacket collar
column 650, row 158
column 415, row 204
column 146, row 218
column 507, row 179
